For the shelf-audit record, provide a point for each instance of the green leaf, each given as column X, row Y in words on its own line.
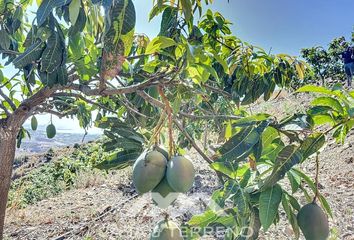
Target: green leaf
column 226, row 168
column 159, row 43
column 222, row 62
column 204, row 219
column 46, row 8
column 325, row 205
column 169, row 21
column 240, row 145
column 291, row 216
column 234, row 192
column 294, row 180
column 255, row 224
column 119, row 160
column 33, row 53
column 120, row 20
column 210, row 69
column 269, row 201
column 312, row 144
column 297, row 122
column 52, row 54
column 287, row 158
column 124, row 143
column 5, row 40
column 62, row 76
column 268, row 135
column 323, row 119
column 328, row 102
column 74, row 9
column 316, row 89
column 251, row 120
column 156, row 10
column 79, row 24
column 187, row 9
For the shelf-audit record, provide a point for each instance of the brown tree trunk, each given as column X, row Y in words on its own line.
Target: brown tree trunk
column 7, row 154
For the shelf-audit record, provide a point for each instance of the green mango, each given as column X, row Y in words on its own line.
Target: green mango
column 34, row 123
column 180, row 174
column 148, row 171
column 313, row 222
column 51, row 131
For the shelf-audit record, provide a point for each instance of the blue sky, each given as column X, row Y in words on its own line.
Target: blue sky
column 286, row 26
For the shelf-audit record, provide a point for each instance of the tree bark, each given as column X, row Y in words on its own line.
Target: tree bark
column 7, row 154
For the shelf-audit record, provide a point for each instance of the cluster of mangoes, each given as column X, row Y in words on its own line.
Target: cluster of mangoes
column 155, row 172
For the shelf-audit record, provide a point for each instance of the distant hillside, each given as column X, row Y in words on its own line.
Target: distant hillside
column 39, row 142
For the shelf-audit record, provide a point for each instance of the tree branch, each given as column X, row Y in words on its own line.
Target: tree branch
column 196, row 117
column 159, row 104
column 58, row 114
column 8, row 100
column 10, row 52
column 5, row 109
column 217, row 90
column 190, row 139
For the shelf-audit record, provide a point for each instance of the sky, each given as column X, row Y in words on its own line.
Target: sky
column 284, row 26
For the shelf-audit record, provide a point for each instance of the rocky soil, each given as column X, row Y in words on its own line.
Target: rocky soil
column 112, row 209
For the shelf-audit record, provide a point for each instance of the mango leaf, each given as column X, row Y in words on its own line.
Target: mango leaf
column 5, row 40
column 234, row 192
column 251, row 120
column 46, row 8
column 129, row 133
column 79, row 24
column 240, row 145
column 33, row 53
column 297, row 122
column 227, row 168
column 62, row 75
column 120, row 19
column 53, row 54
column 156, row 10
column 323, row 119
column 211, row 70
column 169, row 21
column 187, row 9
column 119, row 160
column 312, row 144
column 294, row 180
column 317, row 89
column 159, row 43
column 257, row 150
column 124, row 143
column 255, row 224
column 222, row 62
column 269, row 201
column 328, row 102
column 74, row 9
column 204, row 219
column 287, row 158
column 291, row 216
column 268, row 135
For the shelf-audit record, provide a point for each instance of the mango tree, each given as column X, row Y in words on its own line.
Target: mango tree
column 70, row 58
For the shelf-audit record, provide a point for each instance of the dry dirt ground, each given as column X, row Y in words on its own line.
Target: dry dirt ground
column 111, row 210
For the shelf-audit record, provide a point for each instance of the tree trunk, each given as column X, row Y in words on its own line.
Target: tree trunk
column 7, row 155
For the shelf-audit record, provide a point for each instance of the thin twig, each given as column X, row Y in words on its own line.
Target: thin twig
column 316, row 177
